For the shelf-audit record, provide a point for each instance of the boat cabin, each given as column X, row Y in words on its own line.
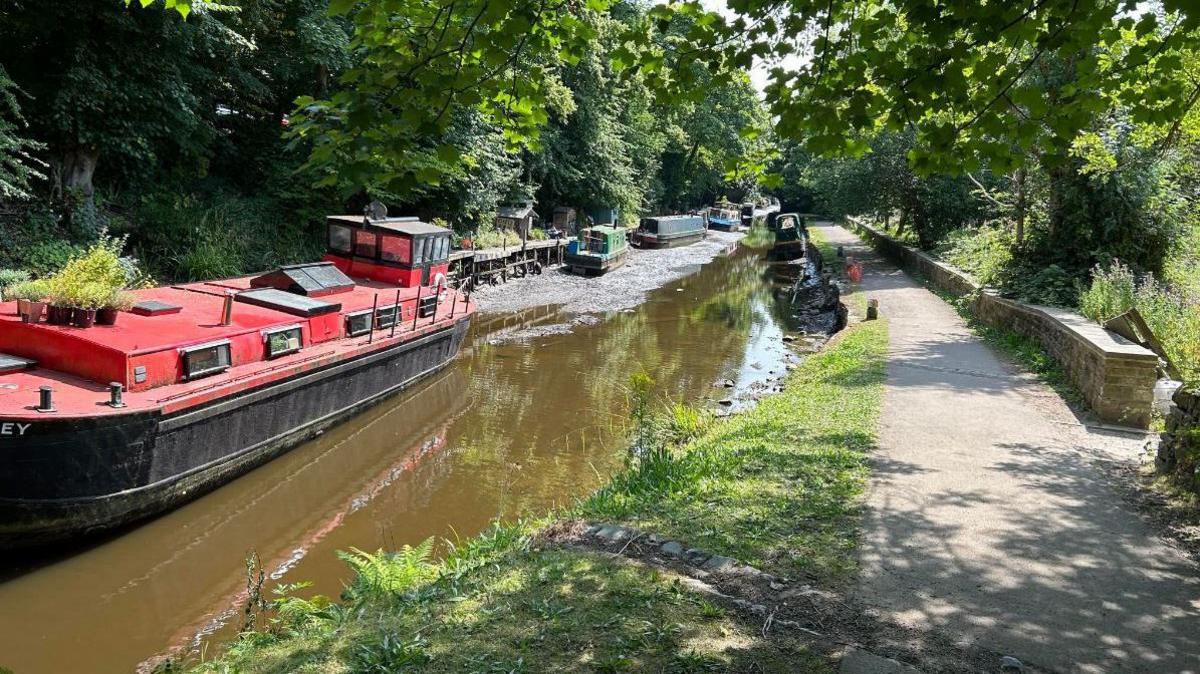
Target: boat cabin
column 401, row 251
column 377, row 274
column 597, row 250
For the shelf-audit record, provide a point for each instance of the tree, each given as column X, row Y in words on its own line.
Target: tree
column 419, row 63
column 18, row 166
column 954, row 72
column 96, row 97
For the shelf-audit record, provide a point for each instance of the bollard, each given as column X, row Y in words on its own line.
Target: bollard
column 841, row 252
column 872, row 309
column 115, row 389
column 45, row 399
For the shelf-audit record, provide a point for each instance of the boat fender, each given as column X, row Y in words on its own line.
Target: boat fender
column 442, row 285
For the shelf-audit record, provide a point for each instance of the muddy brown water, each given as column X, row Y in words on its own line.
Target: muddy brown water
column 513, row 426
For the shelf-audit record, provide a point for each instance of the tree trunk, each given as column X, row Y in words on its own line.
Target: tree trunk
column 322, row 80
column 75, row 172
column 1019, row 187
column 1059, row 176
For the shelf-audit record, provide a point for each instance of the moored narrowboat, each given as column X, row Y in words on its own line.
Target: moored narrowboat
column 201, row 382
column 748, row 215
column 669, row 231
column 725, row 218
column 597, row 250
column 790, row 237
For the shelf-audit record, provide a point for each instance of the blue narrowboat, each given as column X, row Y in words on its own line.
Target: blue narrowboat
column 725, row 218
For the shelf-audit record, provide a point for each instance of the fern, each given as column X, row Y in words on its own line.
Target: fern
column 383, row 574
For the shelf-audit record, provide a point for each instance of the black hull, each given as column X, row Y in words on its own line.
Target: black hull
column 675, row 242
column 722, row 227
column 81, row 477
column 787, row 250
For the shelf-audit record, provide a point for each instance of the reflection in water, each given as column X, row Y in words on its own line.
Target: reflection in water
column 509, row 428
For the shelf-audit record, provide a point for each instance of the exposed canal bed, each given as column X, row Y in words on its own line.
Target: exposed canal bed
column 526, row 419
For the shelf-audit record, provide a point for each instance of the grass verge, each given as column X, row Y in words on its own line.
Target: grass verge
column 778, row 486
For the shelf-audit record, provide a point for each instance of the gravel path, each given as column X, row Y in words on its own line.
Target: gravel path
column 991, row 517
column 622, row 288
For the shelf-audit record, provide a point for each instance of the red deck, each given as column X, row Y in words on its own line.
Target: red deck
column 101, row 354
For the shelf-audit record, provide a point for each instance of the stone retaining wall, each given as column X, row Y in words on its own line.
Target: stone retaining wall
column 1181, row 442
column 1115, row 376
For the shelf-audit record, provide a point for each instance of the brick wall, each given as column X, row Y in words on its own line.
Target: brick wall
column 1115, row 376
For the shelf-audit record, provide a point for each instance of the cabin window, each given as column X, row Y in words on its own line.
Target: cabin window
column 420, row 245
column 282, row 341
column 385, row 317
column 340, row 237
column 395, row 249
column 358, row 323
column 205, row 359
column 443, row 248
column 364, row 243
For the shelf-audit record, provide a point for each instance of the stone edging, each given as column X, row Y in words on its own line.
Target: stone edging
column 1115, row 375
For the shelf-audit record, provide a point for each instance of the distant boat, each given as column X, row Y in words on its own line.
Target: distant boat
column 201, row 382
column 790, row 237
column 669, row 231
column 724, row 218
column 597, row 250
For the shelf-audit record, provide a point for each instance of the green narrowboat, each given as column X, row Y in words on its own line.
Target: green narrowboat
column 597, row 250
column 790, row 237
column 669, row 231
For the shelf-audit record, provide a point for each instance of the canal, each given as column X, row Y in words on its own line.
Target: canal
column 513, row 426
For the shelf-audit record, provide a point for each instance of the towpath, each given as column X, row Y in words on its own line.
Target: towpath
column 991, row 517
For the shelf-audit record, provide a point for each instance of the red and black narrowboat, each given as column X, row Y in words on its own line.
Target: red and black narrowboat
column 201, row 382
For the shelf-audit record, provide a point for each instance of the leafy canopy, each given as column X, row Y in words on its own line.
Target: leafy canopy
column 969, row 77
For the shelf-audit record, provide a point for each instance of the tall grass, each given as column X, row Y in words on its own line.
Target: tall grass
column 1173, row 314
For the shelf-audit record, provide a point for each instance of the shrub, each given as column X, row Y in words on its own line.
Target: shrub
column 11, row 277
column 33, row 291
column 201, row 237
column 984, row 252
column 47, row 257
column 1173, row 316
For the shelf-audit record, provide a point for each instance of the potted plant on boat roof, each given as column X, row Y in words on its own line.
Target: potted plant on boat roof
column 87, row 301
column 87, row 283
column 116, row 302
column 31, row 299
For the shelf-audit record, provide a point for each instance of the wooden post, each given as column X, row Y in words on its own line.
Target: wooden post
column 872, row 309
column 454, row 303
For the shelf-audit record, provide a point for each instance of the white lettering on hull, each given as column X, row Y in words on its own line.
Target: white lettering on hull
column 13, row 429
